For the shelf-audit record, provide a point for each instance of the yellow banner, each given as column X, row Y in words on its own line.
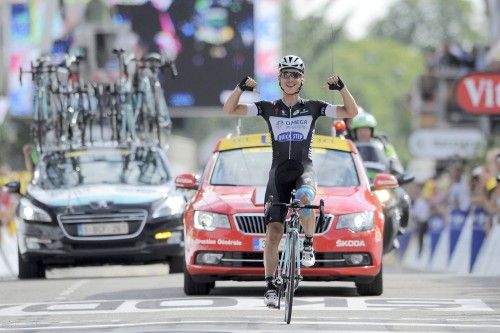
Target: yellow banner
column 264, row 140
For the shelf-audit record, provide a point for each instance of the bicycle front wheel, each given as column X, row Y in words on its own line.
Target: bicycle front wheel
column 291, row 274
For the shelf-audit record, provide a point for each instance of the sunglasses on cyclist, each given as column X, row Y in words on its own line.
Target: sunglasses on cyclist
column 287, row 75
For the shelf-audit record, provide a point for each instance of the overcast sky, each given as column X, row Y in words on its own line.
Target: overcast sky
column 363, row 12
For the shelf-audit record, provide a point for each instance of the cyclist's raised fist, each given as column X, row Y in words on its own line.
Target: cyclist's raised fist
column 335, row 83
column 247, row 84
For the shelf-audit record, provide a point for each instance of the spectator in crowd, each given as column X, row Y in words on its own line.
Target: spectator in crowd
column 478, row 186
column 454, row 55
column 431, row 58
column 458, row 194
column 7, row 204
column 495, row 164
column 30, row 157
column 440, row 193
column 494, row 201
column 422, row 211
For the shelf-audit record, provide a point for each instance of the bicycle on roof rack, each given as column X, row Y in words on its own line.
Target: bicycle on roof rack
column 132, row 108
column 41, row 74
column 287, row 275
column 154, row 113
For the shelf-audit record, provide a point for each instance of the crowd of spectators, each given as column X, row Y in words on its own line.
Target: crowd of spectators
column 451, row 60
column 461, row 186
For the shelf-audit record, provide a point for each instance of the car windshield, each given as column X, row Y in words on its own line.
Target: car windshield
column 251, row 166
column 142, row 166
column 373, row 156
column 372, row 153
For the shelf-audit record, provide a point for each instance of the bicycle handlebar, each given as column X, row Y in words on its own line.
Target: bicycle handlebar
column 295, row 205
column 35, row 70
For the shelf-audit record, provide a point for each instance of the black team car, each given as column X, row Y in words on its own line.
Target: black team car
column 99, row 206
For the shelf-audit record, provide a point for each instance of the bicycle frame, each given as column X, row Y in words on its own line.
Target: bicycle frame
column 289, row 255
column 288, row 275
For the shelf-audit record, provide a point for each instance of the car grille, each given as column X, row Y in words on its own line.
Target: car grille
column 135, row 219
column 254, row 224
column 255, row 259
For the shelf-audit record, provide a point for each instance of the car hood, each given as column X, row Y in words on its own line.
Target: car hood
column 234, row 199
column 86, row 194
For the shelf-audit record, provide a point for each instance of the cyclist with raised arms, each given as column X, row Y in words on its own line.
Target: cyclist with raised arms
column 291, row 121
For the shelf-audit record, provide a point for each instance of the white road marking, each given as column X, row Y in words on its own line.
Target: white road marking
column 188, row 302
column 231, row 323
column 77, row 306
column 242, row 303
column 71, row 289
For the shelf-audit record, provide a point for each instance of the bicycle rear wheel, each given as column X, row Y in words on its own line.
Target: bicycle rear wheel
column 291, row 274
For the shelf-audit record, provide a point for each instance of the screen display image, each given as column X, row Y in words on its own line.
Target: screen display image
column 212, row 42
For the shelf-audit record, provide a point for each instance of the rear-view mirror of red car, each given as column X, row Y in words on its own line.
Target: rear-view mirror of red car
column 186, row 180
column 384, row 181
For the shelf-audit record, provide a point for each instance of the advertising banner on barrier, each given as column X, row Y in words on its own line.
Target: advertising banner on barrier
column 404, row 242
column 457, row 221
column 436, row 227
column 478, row 233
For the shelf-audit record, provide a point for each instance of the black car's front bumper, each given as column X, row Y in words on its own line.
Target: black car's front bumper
column 160, row 239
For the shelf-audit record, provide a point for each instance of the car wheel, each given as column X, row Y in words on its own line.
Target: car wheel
column 176, row 264
column 29, row 269
column 192, row 287
column 374, row 288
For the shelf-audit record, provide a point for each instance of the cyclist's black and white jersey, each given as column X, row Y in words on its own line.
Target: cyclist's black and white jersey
column 291, row 128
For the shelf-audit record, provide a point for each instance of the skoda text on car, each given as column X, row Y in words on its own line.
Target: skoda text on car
column 100, row 205
column 224, row 221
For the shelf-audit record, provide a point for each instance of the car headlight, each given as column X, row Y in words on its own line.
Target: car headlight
column 383, row 196
column 210, row 221
column 173, row 205
column 356, row 222
column 30, row 212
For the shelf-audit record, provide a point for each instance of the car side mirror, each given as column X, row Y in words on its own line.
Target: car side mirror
column 186, row 181
column 12, row 187
column 405, row 179
column 384, row 181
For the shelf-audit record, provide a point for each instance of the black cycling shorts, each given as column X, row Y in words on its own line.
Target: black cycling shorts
column 283, row 178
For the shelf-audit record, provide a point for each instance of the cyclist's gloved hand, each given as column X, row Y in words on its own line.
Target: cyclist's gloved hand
column 244, row 85
column 335, row 83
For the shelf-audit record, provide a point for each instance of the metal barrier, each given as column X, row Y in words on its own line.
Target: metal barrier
column 465, row 245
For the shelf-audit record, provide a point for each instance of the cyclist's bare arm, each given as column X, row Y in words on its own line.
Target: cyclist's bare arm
column 350, row 108
column 232, row 106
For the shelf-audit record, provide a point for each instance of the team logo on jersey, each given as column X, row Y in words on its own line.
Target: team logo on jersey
column 300, row 111
column 290, row 136
column 290, row 129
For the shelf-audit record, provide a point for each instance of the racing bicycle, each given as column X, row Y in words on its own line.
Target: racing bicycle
column 287, row 275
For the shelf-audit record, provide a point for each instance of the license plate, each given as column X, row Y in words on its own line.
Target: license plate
column 260, row 243
column 101, row 229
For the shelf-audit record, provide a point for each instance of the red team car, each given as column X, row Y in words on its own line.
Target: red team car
column 224, row 222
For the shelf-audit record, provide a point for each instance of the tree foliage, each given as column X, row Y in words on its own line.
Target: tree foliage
column 377, row 71
column 425, row 23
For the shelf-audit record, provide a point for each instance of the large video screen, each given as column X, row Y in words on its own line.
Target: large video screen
column 212, row 42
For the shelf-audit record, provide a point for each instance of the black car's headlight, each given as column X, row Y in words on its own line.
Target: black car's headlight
column 210, row 221
column 30, row 212
column 356, row 222
column 173, row 205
